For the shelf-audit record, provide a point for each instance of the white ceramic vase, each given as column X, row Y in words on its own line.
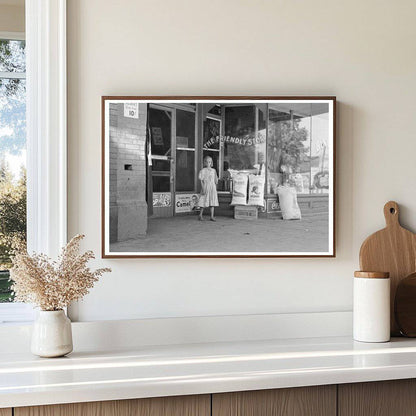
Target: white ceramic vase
column 52, row 334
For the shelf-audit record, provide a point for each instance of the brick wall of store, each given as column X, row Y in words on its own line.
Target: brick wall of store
column 128, row 207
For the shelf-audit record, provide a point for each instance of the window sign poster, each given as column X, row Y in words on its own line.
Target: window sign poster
column 186, row 202
column 162, row 199
column 131, row 110
column 157, row 136
column 273, row 206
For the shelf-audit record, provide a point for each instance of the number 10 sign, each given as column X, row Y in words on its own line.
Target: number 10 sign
column 131, row 110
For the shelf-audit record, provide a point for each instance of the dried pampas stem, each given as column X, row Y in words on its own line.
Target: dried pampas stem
column 53, row 285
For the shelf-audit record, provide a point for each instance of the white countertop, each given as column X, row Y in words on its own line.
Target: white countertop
column 200, row 368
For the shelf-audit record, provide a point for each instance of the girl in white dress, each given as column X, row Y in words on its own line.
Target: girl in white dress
column 209, row 180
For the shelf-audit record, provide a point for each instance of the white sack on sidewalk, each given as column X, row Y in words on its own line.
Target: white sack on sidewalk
column 239, row 189
column 256, row 190
column 289, row 203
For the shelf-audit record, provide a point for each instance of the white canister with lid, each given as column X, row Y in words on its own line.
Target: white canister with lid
column 371, row 307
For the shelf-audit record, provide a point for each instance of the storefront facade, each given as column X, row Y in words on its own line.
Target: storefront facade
column 285, row 142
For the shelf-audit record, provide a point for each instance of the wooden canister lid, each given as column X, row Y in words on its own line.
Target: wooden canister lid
column 372, row 275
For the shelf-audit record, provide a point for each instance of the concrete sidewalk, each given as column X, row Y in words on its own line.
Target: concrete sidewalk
column 187, row 234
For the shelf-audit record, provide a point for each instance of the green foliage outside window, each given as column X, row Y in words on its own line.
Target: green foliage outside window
column 12, row 145
column 12, row 222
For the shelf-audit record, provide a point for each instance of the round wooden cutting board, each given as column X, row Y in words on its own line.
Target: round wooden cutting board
column 405, row 306
column 392, row 250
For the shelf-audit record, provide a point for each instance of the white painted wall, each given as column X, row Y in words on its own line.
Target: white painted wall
column 361, row 51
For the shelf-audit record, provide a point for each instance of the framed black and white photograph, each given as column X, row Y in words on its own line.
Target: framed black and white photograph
column 218, row 176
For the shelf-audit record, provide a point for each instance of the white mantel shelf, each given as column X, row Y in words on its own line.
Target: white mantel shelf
column 200, row 368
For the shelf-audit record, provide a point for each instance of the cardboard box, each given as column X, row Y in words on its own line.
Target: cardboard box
column 245, row 212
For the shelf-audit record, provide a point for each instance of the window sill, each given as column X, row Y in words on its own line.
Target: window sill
column 16, row 313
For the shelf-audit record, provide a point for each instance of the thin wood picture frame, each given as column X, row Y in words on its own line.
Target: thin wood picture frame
column 155, row 184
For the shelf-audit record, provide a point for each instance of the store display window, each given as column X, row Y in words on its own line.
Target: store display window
column 297, row 147
column 245, row 139
column 211, row 144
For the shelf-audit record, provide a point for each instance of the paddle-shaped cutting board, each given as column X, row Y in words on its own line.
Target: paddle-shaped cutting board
column 405, row 306
column 393, row 250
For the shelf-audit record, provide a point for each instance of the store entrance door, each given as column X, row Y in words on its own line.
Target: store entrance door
column 161, row 134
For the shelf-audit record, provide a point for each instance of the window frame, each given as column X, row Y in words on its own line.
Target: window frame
column 14, row 312
column 46, row 140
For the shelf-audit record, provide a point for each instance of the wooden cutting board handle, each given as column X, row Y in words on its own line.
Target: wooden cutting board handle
column 393, row 250
column 391, row 214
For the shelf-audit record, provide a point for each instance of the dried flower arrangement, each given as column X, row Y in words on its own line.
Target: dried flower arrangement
column 52, row 285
